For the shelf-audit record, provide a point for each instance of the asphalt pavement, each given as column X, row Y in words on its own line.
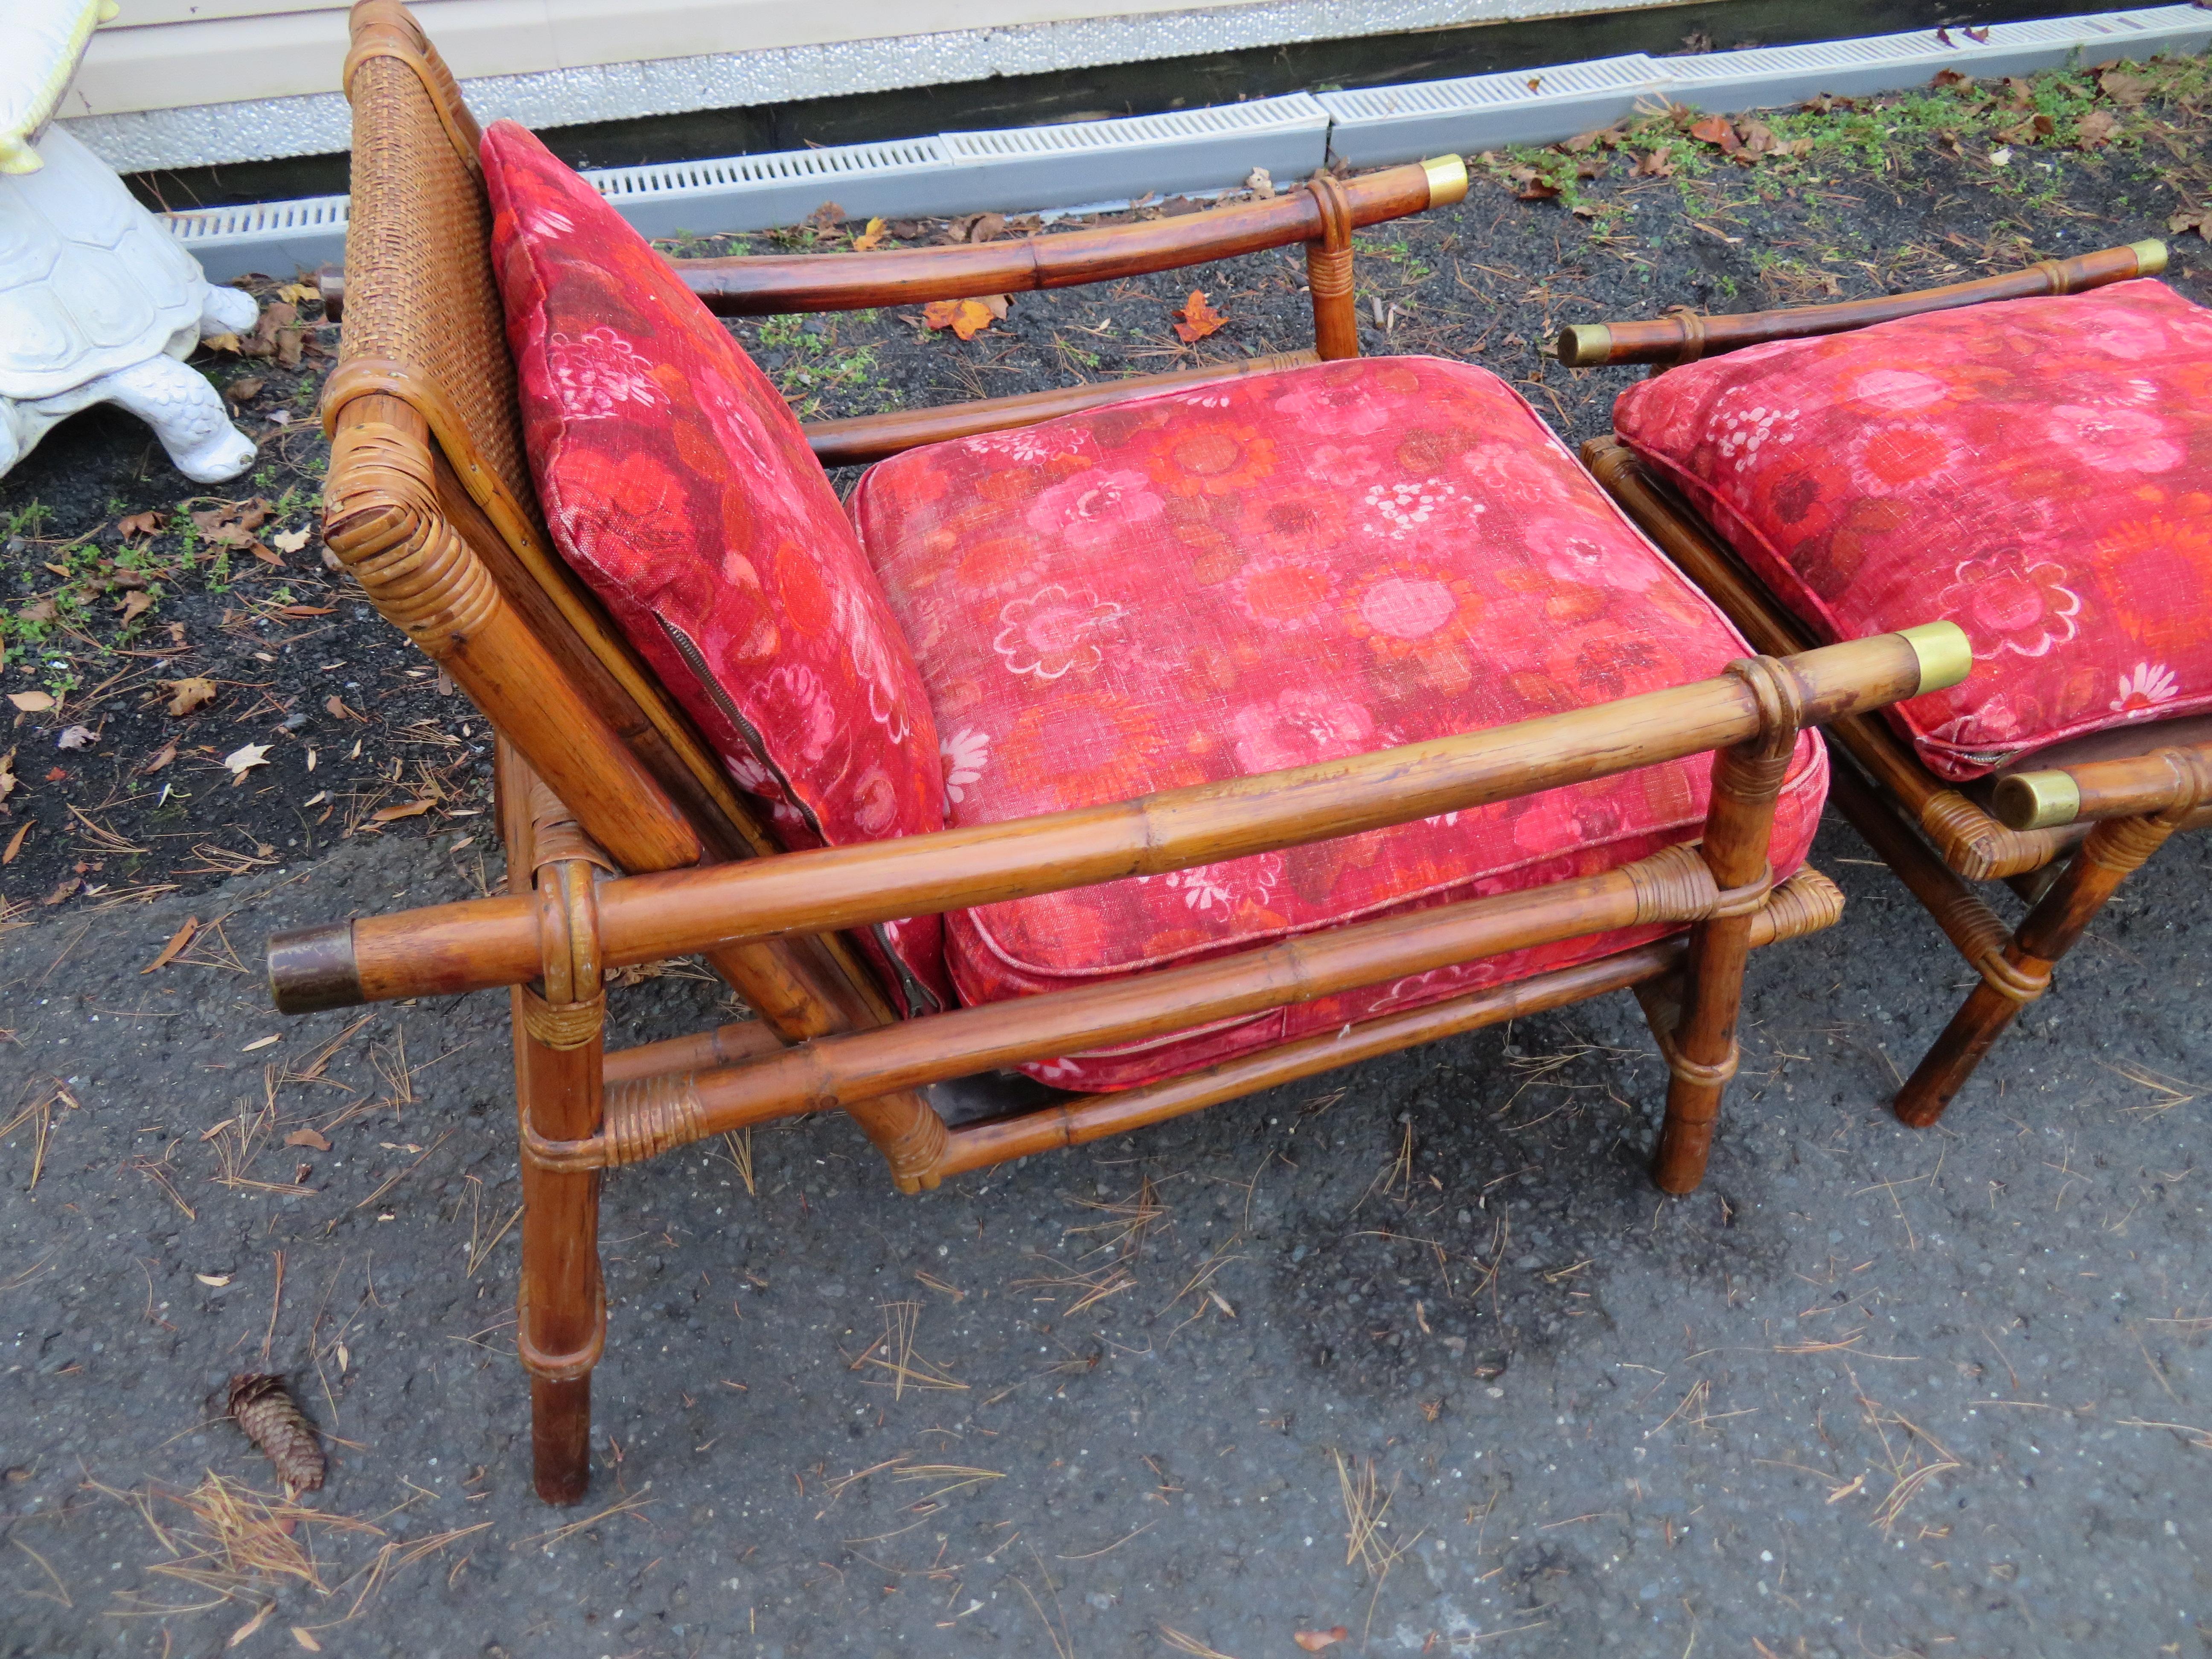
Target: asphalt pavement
column 1414, row 1349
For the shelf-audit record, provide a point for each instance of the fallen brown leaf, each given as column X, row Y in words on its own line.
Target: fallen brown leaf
column 977, row 227
column 244, row 759
column 262, row 553
column 275, row 335
column 291, row 541
column 69, row 884
column 305, row 1638
column 166, row 753
column 307, row 1138
column 413, row 809
column 8, row 778
column 1313, row 1641
column 2122, row 88
column 870, row 239
column 1718, row 131
column 243, row 392
column 2096, row 130
column 15, row 841
column 31, row 703
column 186, row 695
column 2191, row 219
column 136, row 603
column 1198, row 318
column 178, row 940
column 1608, row 138
column 965, row 318
column 140, row 523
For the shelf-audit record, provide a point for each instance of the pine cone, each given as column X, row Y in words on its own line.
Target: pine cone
column 261, row 1407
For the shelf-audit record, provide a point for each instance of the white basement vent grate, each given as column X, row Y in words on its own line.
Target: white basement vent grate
column 1087, row 161
column 1770, row 77
column 272, row 238
column 912, row 177
column 1376, row 125
column 1080, row 163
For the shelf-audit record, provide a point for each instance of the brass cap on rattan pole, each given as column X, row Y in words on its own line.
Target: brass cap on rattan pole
column 1447, row 180
column 2150, row 257
column 1585, row 345
column 1947, row 655
column 2036, row 800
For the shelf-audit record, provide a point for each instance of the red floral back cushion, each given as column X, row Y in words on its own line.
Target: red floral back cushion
column 2038, row 471
column 675, row 480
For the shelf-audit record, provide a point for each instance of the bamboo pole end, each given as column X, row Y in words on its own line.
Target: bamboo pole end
column 311, row 969
column 1448, row 184
column 2150, row 257
column 1585, row 345
column 2037, row 801
column 1946, row 654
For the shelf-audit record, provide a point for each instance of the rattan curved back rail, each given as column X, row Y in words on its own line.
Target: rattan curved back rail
column 626, row 844
column 2112, row 812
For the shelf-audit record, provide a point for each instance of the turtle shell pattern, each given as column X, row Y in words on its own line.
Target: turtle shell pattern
column 89, row 281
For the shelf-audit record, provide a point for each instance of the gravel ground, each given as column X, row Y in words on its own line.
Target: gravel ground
column 1870, row 1392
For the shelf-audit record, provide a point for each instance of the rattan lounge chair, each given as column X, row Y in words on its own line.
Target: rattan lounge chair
column 2122, row 779
column 628, row 843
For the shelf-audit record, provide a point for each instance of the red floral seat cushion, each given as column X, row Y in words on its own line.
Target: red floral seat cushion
column 2038, row 471
column 1263, row 574
column 675, row 480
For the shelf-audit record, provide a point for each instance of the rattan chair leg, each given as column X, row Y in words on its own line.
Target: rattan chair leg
column 562, row 1307
column 559, row 1087
column 1701, row 1050
column 2114, row 850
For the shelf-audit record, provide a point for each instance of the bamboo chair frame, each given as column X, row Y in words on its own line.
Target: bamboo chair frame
column 625, row 842
column 2110, row 800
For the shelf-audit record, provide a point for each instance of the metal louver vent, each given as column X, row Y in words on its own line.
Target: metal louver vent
column 1086, row 161
column 1079, row 163
column 274, row 238
column 1376, row 124
column 1768, row 76
column 911, row 178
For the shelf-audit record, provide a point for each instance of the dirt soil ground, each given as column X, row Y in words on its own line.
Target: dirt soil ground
column 1415, row 1351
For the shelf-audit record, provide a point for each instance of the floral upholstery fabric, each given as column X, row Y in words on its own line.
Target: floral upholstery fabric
column 675, row 480
column 1268, row 572
column 2038, row 471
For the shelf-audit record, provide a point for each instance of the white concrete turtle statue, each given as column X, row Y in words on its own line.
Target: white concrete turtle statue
column 100, row 304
